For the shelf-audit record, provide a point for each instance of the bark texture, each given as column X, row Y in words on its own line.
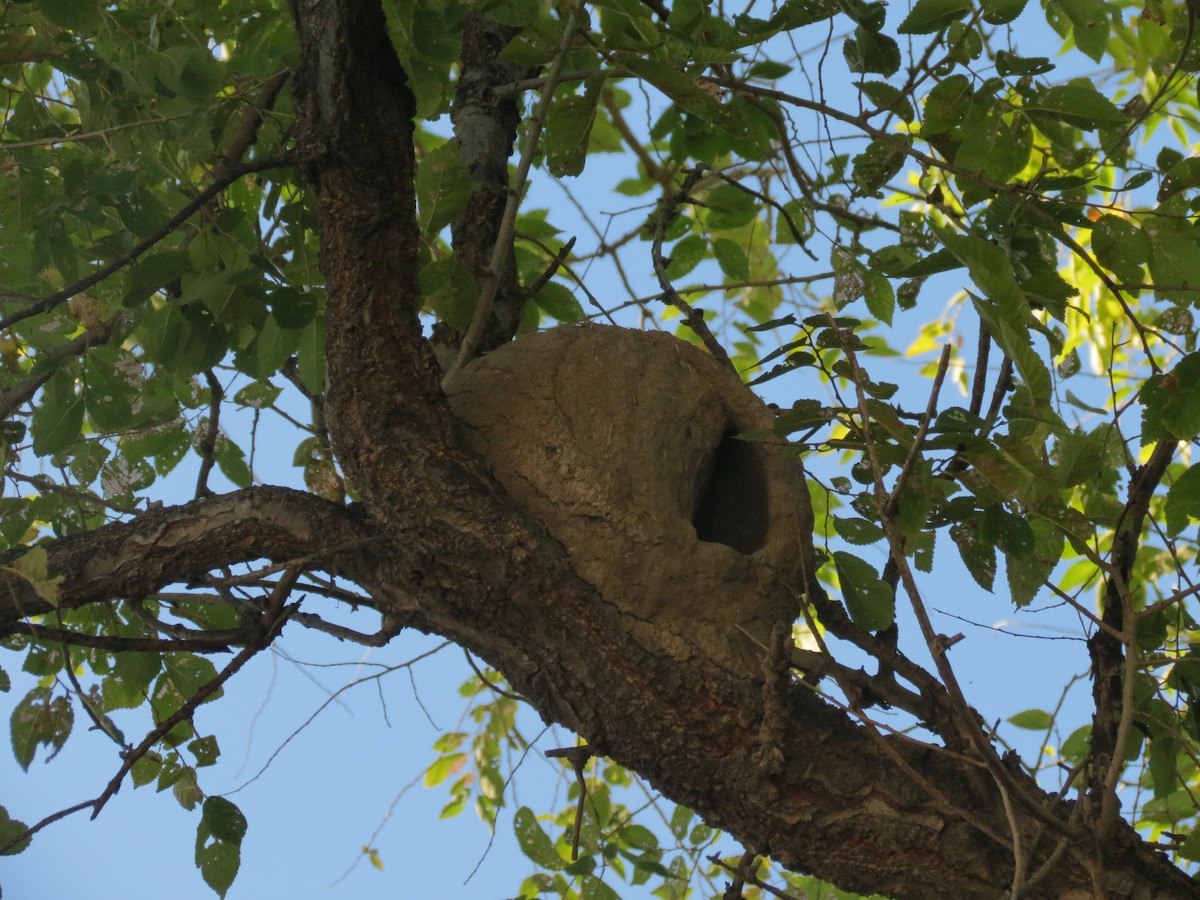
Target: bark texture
column 443, row 546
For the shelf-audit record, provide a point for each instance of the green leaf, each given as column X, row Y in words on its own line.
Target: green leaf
column 40, row 719
column 205, row 750
column 1183, row 501
column 1005, row 309
column 858, row 530
column 146, row 769
column 996, row 147
column 9, row 829
column 729, row 207
column 188, row 672
column 559, row 301
column 794, row 224
column 1011, row 533
column 871, row 52
column 685, row 255
column 1001, row 12
column 732, row 259
column 1032, row 720
column 1027, row 572
column 878, row 164
column 1171, row 403
column 928, row 16
column 186, row 789
column 978, row 555
column 310, row 356
column 1121, row 247
column 224, row 820
column 58, row 419
column 1080, row 105
column 534, row 842
column 947, row 105
column 1183, row 176
column 443, row 185
column 595, row 889
column 219, row 863
column 1174, row 262
column 880, row 297
column 1091, row 27
column 33, row 567
column 868, row 600
column 888, row 98
column 569, row 129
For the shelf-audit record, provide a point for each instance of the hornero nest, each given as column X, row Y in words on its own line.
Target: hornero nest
column 657, row 471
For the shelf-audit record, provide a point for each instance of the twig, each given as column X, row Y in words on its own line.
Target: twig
column 208, row 442
column 919, row 441
column 556, row 262
column 213, row 642
column 488, row 682
column 267, row 633
column 578, row 758
column 667, row 210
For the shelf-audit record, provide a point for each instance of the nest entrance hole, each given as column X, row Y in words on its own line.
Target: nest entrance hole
column 732, row 504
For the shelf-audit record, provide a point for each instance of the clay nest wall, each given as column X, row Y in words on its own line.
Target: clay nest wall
column 625, row 444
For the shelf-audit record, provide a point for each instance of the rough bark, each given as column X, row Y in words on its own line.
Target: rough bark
column 762, row 756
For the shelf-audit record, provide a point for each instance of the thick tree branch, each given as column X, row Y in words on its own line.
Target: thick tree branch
column 182, row 543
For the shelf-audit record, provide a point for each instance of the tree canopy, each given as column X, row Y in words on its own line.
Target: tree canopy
column 426, row 251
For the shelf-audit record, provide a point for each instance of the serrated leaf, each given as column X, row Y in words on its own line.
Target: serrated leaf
column 205, row 750
column 1028, row 572
column 857, row 530
column 224, row 820
column 40, row 719
column 869, row 601
column 870, row 52
column 595, row 889
column 928, row 16
column 1183, row 501
column 58, row 418
column 947, row 104
column 559, row 301
column 887, row 98
column 1078, row 104
column 1171, row 403
column 996, row 147
column 686, row 255
column 186, row 789
column 569, row 129
column 732, row 259
column 146, row 769
column 1121, row 247
column 729, row 207
column 978, row 555
column 534, row 842
column 1001, row 12
column 32, row 565
column 9, row 829
column 219, row 863
column 878, row 164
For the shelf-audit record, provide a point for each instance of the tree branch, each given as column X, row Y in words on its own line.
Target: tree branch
column 181, row 543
